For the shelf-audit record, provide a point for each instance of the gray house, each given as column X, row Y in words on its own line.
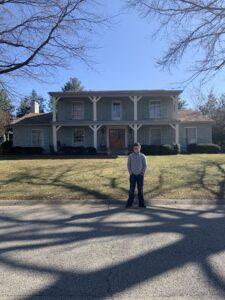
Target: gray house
column 112, row 120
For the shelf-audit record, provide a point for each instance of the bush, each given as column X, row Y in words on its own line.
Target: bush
column 73, row 150
column 203, row 148
column 165, row 149
column 91, row 150
column 27, row 150
column 6, row 147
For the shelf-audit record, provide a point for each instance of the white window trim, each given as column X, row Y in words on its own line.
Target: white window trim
column 151, row 100
column 73, row 143
column 150, row 135
column 195, row 131
column 42, row 137
column 120, row 118
column 72, row 112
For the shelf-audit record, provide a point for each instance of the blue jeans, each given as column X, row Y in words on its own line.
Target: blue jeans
column 139, row 180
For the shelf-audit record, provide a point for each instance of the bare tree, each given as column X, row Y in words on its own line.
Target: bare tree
column 4, row 122
column 38, row 36
column 190, row 25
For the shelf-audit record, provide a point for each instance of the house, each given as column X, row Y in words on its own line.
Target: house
column 112, row 120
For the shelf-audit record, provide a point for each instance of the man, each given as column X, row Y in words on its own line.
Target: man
column 136, row 165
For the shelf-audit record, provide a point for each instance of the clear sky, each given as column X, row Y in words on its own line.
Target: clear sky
column 126, row 59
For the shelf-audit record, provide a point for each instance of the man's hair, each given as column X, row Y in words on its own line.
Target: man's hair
column 136, row 144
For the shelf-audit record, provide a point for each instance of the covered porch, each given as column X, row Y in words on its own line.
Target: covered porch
column 114, row 138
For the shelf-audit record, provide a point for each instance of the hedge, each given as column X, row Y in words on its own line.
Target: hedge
column 203, row 148
column 166, row 149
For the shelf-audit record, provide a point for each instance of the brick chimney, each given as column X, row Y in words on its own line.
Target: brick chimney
column 34, row 107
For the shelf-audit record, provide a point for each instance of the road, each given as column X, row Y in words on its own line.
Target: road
column 108, row 252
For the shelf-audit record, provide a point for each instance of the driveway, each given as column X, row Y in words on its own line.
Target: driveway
column 107, row 252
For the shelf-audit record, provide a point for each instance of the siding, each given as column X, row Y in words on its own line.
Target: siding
column 104, row 108
column 167, row 134
column 64, row 109
column 65, row 136
column 166, row 108
column 22, row 136
column 204, row 132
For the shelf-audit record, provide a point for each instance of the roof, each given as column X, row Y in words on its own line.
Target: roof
column 46, row 118
column 115, row 93
column 33, row 119
column 192, row 116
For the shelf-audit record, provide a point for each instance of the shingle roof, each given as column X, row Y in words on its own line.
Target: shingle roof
column 192, row 116
column 33, row 119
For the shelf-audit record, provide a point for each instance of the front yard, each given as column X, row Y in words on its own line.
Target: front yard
column 173, row 177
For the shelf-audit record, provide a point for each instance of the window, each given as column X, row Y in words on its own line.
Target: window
column 37, row 138
column 78, row 110
column 155, row 136
column 191, row 135
column 116, row 110
column 78, row 137
column 154, row 109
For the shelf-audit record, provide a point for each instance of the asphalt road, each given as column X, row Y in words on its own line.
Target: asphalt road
column 107, row 252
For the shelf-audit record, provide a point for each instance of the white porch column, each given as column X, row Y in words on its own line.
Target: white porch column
column 94, row 100
column 135, row 128
column 175, row 106
column 176, row 128
column 135, row 99
column 95, row 129
column 54, row 136
column 54, row 107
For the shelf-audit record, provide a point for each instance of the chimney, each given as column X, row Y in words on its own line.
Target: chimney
column 34, row 107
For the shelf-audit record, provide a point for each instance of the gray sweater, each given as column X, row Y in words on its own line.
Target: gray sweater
column 136, row 163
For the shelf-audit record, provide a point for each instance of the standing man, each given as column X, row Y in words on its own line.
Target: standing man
column 136, row 165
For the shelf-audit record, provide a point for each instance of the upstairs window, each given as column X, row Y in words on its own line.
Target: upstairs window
column 78, row 137
column 191, row 135
column 154, row 109
column 37, row 138
column 78, row 110
column 155, row 136
column 116, row 110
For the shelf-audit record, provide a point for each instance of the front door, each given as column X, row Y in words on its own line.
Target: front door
column 117, row 138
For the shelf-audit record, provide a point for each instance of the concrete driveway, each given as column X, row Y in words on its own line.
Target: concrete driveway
column 107, row 252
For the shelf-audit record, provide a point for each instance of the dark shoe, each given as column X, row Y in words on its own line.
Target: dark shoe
column 143, row 206
column 128, row 206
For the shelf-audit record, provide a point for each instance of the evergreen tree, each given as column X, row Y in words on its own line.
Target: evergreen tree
column 73, row 84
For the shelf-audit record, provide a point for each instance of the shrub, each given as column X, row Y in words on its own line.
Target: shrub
column 91, row 150
column 165, row 149
column 17, row 150
column 73, row 150
column 6, row 147
column 203, row 148
column 33, row 150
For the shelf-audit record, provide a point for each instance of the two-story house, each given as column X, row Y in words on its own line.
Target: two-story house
column 112, row 120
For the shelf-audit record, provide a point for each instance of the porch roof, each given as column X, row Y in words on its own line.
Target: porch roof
column 124, row 93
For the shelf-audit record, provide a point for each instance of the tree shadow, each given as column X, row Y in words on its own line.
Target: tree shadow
column 200, row 237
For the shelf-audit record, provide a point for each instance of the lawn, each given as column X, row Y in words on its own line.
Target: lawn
column 172, row 177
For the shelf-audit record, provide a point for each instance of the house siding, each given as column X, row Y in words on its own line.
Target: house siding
column 167, row 134
column 64, row 109
column 166, row 108
column 204, row 132
column 65, row 136
column 104, row 108
column 22, row 136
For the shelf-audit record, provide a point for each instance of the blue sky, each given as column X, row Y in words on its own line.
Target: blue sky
column 126, row 59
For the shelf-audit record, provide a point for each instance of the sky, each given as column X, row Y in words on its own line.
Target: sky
column 125, row 59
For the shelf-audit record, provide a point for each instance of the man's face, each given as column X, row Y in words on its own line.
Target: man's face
column 137, row 149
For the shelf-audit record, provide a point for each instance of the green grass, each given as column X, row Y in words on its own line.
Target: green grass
column 172, row 177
